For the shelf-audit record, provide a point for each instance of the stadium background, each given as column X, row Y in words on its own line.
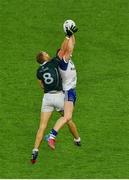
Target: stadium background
column 101, row 57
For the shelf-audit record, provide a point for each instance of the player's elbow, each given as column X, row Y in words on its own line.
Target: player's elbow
column 60, row 54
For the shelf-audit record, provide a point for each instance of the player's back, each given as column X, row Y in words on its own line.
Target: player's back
column 48, row 73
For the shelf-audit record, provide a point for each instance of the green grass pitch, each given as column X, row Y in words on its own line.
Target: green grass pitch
column 102, row 111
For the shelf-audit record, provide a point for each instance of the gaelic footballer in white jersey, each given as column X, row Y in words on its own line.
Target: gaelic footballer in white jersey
column 69, row 75
column 69, row 79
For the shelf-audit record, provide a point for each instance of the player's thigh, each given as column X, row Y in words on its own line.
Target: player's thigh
column 68, row 109
column 59, row 102
column 47, row 103
column 45, row 116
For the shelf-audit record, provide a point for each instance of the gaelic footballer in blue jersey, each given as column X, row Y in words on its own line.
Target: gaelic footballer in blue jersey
column 69, row 79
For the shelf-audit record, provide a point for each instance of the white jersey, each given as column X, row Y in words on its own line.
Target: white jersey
column 69, row 76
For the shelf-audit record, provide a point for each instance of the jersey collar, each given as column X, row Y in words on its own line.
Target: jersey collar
column 43, row 63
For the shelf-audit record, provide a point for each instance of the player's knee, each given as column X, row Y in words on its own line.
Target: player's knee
column 68, row 117
column 64, row 120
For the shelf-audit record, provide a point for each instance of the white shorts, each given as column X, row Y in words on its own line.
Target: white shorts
column 53, row 101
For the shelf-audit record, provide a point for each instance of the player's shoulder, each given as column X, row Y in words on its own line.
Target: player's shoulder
column 40, row 69
column 56, row 59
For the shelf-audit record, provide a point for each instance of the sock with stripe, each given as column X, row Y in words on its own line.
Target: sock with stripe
column 53, row 134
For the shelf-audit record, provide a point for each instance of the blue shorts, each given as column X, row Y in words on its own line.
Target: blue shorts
column 70, row 95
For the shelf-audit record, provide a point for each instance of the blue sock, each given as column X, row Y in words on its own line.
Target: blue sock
column 53, row 134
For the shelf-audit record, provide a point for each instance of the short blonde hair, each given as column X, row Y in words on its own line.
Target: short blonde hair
column 39, row 57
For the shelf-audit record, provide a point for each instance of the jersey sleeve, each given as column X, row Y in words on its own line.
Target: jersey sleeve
column 63, row 64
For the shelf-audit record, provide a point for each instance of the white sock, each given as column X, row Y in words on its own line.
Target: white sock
column 77, row 140
column 35, row 149
column 52, row 136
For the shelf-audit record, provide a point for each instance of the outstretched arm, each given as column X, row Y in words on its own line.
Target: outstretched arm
column 68, row 44
column 63, row 48
column 73, row 39
column 67, row 48
column 70, row 48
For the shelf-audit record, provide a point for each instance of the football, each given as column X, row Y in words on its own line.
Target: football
column 68, row 24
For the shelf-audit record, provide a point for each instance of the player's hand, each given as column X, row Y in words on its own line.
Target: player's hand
column 69, row 32
column 74, row 29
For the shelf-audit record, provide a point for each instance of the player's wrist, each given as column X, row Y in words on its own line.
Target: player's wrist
column 67, row 37
column 69, row 32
